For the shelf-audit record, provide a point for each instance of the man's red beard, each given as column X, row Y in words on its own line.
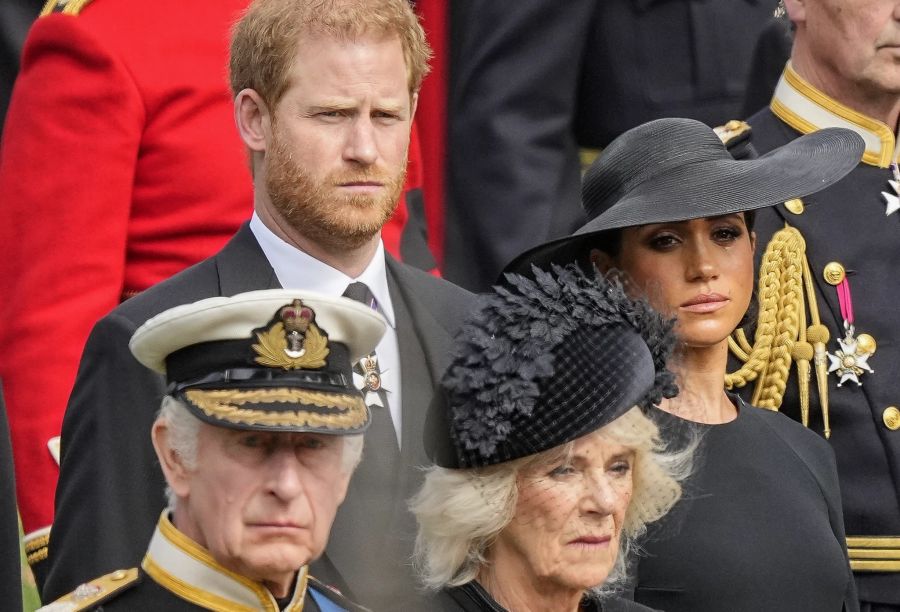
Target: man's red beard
column 319, row 211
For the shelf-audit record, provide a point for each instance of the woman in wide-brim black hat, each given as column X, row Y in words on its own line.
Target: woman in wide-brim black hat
column 760, row 527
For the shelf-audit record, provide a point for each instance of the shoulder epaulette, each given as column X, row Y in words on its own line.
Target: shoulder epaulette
column 735, row 135
column 67, row 7
column 92, row 593
column 732, row 130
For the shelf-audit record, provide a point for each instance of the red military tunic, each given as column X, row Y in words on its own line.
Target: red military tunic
column 120, row 166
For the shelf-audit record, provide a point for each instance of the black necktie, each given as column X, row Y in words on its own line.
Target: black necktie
column 381, row 433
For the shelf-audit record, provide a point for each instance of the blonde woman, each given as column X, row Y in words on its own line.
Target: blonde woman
column 547, row 470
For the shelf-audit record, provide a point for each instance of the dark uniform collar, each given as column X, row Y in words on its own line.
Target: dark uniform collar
column 807, row 109
column 185, row 568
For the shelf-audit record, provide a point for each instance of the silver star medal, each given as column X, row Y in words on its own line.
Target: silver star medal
column 849, row 361
column 892, row 200
column 370, row 382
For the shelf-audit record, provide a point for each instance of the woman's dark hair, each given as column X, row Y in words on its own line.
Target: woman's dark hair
column 749, row 218
column 610, row 242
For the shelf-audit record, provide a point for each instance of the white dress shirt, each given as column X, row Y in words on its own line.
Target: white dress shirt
column 298, row 270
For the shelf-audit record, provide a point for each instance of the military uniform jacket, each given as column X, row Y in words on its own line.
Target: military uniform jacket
column 178, row 574
column 111, row 489
column 120, row 167
column 847, row 223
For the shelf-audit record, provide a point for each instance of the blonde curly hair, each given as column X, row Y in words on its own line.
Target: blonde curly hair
column 461, row 512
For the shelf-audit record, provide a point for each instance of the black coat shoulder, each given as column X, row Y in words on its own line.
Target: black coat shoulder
column 811, row 448
column 239, row 266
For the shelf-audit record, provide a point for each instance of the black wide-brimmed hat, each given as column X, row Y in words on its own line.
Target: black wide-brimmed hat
column 678, row 169
column 272, row 360
column 545, row 361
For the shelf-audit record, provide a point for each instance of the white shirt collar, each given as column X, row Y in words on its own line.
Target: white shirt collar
column 297, row 269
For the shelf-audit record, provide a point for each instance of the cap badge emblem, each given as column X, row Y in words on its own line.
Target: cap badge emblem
column 292, row 341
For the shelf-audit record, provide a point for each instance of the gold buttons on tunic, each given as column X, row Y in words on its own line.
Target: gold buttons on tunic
column 866, row 343
column 795, row 206
column 891, row 418
column 834, row 273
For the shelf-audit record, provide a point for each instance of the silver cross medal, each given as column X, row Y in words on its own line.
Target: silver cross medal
column 849, row 361
column 892, row 200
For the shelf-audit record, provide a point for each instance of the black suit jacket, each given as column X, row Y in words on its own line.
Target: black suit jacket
column 110, row 489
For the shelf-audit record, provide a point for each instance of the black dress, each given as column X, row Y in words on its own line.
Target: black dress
column 471, row 597
column 759, row 526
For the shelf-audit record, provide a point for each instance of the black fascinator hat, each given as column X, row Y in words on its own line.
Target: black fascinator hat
column 544, row 361
column 678, row 169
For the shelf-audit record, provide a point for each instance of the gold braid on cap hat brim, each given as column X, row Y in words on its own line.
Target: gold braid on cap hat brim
column 782, row 336
column 224, row 405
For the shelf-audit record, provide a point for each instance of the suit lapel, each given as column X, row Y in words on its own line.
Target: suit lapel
column 436, row 340
column 242, row 266
column 417, row 383
column 424, row 347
